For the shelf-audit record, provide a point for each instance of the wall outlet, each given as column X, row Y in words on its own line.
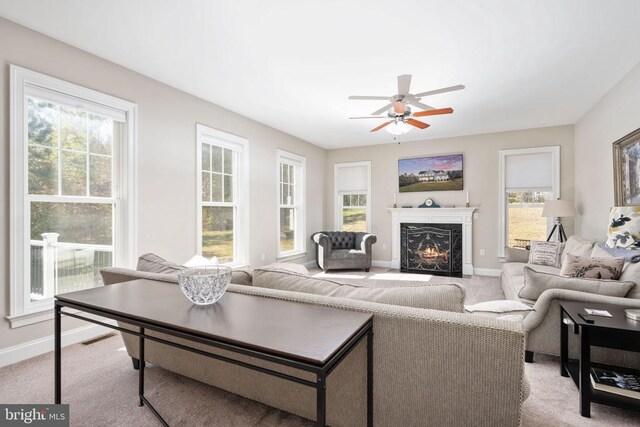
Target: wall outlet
column 482, row 252
column 263, row 257
column 384, row 246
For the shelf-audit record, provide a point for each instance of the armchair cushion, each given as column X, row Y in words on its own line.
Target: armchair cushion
column 535, row 283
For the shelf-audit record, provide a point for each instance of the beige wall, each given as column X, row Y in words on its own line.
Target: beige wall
column 480, row 179
column 613, row 117
column 166, row 158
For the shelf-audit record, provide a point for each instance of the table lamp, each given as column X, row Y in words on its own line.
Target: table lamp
column 558, row 209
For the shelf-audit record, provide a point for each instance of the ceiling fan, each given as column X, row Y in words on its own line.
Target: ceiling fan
column 398, row 108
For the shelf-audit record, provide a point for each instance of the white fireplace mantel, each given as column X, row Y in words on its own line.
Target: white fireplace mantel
column 462, row 216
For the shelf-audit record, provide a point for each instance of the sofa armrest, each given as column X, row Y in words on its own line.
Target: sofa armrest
column 364, row 241
column 543, row 304
column 324, row 241
column 112, row 275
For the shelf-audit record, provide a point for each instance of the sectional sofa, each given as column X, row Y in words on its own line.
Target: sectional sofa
column 432, row 362
column 542, row 325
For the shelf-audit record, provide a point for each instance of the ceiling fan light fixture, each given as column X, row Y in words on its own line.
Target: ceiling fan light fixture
column 397, row 127
column 398, row 107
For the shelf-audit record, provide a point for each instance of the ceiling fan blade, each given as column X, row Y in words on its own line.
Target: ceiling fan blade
column 382, row 110
column 370, row 117
column 369, row 98
column 433, row 112
column 379, row 127
column 420, row 104
column 443, row 90
column 417, row 123
column 404, row 84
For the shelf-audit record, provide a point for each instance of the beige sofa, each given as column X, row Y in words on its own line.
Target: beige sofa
column 437, row 366
column 542, row 325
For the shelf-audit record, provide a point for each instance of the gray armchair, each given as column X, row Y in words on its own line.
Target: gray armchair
column 339, row 250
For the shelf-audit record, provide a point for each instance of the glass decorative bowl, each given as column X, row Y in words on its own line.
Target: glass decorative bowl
column 204, row 285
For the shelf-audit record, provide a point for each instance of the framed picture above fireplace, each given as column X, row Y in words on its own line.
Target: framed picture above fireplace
column 436, row 173
column 626, row 169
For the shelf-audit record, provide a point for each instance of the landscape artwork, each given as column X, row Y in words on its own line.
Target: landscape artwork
column 626, row 166
column 438, row 173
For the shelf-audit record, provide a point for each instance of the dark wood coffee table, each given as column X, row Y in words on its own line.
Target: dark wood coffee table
column 617, row 332
column 303, row 336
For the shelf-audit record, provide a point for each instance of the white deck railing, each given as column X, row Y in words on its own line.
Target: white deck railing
column 59, row 267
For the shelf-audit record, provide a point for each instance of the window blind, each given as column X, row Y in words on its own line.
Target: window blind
column 533, row 172
column 352, row 178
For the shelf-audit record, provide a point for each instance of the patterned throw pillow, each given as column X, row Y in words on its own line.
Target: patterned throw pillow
column 592, row 268
column 545, row 253
column 624, row 227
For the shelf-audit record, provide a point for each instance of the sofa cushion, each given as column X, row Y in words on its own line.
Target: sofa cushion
column 516, row 255
column 515, row 269
column 348, row 254
column 545, row 253
column 290, row 267
column 447, row 297
column 577, row 246
column 155, row 264
column 535, row 283
column 590, row 267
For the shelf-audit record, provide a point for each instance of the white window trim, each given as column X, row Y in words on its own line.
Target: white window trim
column 241, row 189
column 502, row 197
column 337, row 199
column 21, row 311
column 300, row 163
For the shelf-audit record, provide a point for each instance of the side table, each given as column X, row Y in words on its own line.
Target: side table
column 616, row 332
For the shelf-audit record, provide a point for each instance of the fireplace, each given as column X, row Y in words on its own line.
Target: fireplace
column 431, row 249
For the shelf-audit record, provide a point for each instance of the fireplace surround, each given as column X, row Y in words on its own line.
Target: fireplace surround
column 462, row 216
column 431, row 249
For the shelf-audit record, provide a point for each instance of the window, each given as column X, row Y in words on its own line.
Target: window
column 352, row 186
column 528, row 177
column 354, row 211
column 291, row 179
column 223, row 196
column 72, row 188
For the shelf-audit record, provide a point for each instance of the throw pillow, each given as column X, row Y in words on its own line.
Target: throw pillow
column 624, row 227
column 595, row 268
column 546, row 253
column 631, row 269
column 500, row 306
column 156, row 264
column 517, row 255
column 577, row 246
column 535, row 283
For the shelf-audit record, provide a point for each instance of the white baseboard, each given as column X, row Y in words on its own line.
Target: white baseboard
column 493, row 272
column 380, row 263
column 40, row 346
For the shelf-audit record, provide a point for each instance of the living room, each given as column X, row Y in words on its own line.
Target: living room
column 308, row 154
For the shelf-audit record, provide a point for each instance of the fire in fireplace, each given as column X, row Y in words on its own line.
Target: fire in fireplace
column 431, row 249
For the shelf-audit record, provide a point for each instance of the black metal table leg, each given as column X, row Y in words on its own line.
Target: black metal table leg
column 564, row 345
column 57, row 354
column 585, row 380
column 321, row 400
column 141, row 370
column 370, row 378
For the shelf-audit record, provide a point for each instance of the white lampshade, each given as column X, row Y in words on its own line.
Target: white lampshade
column 397, row 128
column 558, row 209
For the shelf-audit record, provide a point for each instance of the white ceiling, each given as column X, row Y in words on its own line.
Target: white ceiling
column 292, row 64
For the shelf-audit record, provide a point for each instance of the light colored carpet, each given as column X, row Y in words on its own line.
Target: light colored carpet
column 101, row 387
column 479, row 288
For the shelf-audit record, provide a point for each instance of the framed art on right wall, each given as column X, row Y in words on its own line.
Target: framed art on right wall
column 626, row 169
